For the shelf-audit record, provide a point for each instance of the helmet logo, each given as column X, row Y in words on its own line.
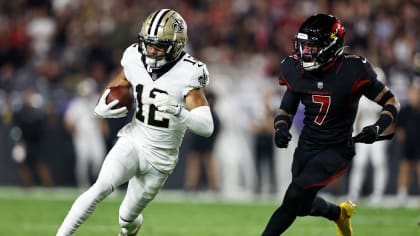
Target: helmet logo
column 178, row 26
column 320, row 85
column 337, row 30
column 203, row 79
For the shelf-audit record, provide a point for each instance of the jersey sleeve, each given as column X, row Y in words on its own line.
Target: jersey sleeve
column 130, row 53
column 199, row 77
column 290, row 100
column 286, row 77
column 367, row 83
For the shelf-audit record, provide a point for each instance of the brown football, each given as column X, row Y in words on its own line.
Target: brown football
column 123, row 94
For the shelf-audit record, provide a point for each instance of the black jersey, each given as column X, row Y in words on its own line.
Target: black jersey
column 330, row 96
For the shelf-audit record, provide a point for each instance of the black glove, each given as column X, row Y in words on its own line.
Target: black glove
column 369, row 134
column 282, row 136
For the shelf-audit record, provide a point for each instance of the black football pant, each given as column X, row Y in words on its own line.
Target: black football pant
column 299, row 202
column 311, row 172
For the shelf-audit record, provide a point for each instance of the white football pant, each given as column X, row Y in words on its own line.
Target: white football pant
column 125, row 162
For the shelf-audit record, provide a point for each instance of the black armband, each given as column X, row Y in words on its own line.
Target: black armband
column 282, row 119
column 393, row 110
column 386, row 120
column 385, row 98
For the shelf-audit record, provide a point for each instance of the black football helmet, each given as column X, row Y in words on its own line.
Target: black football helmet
column 320, row 39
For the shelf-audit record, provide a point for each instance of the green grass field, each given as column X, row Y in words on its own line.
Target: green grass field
column 40, row 214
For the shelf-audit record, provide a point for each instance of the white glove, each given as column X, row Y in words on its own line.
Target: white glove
column 164, row 103
column 103, row 110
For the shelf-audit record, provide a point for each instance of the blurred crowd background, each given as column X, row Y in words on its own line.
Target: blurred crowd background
column 54, row 52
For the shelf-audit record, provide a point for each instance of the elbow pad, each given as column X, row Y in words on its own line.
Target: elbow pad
column 199, row 120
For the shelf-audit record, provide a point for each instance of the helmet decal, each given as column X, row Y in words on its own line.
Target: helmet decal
column 178, row 26
column 337, row 30
column 157, row 18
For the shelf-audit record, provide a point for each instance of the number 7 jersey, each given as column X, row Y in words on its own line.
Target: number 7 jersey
column 149, row 126
column 330, row 97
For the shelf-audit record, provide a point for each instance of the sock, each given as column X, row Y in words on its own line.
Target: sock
column 128, row 227
column 320, row 207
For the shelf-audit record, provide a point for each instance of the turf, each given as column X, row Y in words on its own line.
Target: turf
column 30, row 214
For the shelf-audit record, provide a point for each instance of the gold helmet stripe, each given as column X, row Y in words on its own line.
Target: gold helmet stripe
column 157, row 18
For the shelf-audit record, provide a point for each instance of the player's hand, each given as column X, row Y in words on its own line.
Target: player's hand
column 282, row 136
column 103, row 110
column 165, row 103
column 369, row 134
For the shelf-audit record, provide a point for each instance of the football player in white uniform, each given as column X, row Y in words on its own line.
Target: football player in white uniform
column 168, row 87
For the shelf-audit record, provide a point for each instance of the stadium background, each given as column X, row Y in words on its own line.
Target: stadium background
column 50, row 45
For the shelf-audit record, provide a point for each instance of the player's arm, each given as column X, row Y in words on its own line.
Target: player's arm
column 196, row 116
column 103, row 110
column 390, row 104
column 388, row 116
column 283, row 120
column 195, row 98
column 119, row 80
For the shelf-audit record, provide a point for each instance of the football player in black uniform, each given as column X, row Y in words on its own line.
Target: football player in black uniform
column 329, row 83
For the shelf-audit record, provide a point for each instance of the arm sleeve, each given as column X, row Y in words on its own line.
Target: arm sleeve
column 290, row 102
column 199, row 120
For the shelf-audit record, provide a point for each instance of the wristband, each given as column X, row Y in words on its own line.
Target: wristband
column 282, row 119
column 385, row 98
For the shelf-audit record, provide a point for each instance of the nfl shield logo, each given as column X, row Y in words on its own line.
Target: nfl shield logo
column 320, row 85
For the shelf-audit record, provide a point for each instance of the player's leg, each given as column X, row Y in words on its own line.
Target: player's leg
column 403, row 181
column 271, row 166
column 380, row 170
column 141, row 189
column 97, row 152
column 321, row 170
column 192, row 171
column 82, row 164
column 286, row 214
column 119, row 166
column 298, row 202
column 358, row 171
column 211, row 171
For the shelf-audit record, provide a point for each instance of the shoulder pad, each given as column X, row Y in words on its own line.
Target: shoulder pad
column 356, row 58
column 131, row 53
column 289, row 71
column 199, row 71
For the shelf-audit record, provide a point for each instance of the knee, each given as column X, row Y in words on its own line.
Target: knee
column 149, row 196
column 294, row 193
column 293, row 198
column 298, row 200
column 150, row 193
column 304, row 210
column 102, row 189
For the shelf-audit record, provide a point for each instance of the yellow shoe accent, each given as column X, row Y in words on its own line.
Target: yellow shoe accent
column 344, row 221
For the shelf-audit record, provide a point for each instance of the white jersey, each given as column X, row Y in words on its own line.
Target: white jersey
column 150, row 127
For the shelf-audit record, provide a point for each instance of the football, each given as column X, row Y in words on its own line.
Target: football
column 123, row 94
